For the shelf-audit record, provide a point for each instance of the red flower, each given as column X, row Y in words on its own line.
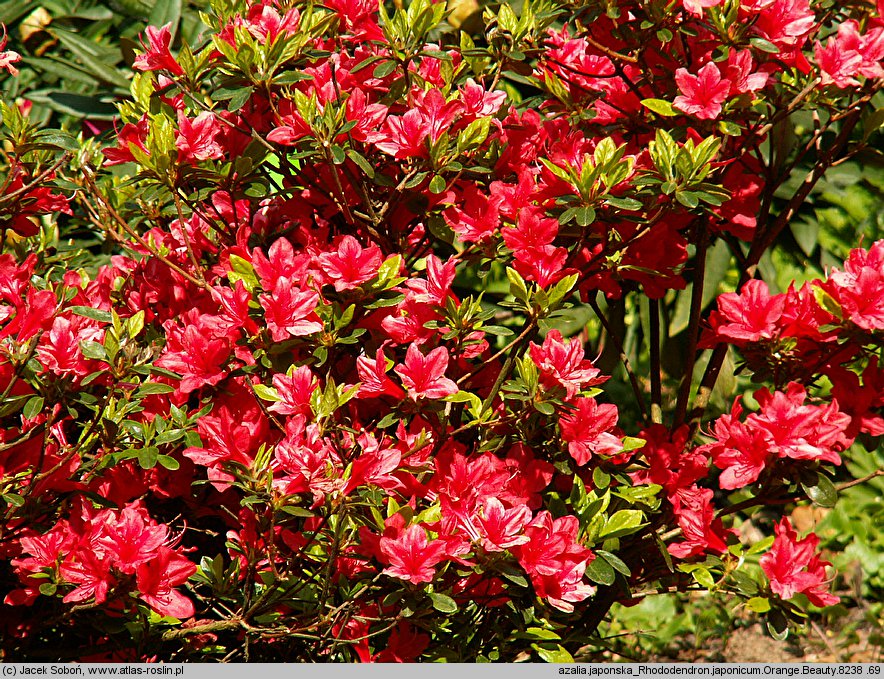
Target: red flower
column 132, row 539
column 555, row 560
column 793, row 568
column 749, row 316
column 739, row 72
column 586, row 430
column 740, row 451
column 502, row 528
column 156, row 53
column 703, row 94
column 351, row 265
column 412, row 556
column 289, row 311
column 702, row 532
column 198, row 352
column 563, row 364
column 294, row 391
column 196, row 138
column 156, row 578
column 373, row 377
column 33, row 314
column 476, row 216
column 859, row 289
column 424, row 376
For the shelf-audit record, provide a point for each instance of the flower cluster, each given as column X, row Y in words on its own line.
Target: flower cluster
column 342, row 351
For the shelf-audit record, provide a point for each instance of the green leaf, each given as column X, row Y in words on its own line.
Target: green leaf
column 585, row 215
column 384, row 69
column 168, row 462
column 600, row 478
column 266, row 393
column 601, row 571
column 443, row 603
column 498, row 330
column 660, row 107
column 539, row 633
column 13, row 499
column 624, row 203
column 94, row 314
column 616, row 562
column 777, row 624
column 363, row 164
column 826, row 301
column 150, row 388
column 32, row 408
column 92, row 57
column 437, row 184
column 59, row 139
column 764, row 45
column 93, row 350
column 821, row 491
column 729, row 128
column 544, row 407
column 553, row 655
column 703, row 577
column 621, row 523
column 147, row 457
column 77, row 105
column 688, row 199
column 48, row 589
column 759, row 604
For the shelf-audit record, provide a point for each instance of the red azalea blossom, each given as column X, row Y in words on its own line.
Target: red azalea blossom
column 156, row 53
column 703, row 94
column 792, row 567
column 586, row 430
column 424, row 376
column 412, row 555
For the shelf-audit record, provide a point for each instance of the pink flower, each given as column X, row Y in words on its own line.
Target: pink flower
column 8, row 58
column 697, row 6
column 424, row 376
column 412, row 556
column 703, row 94
column 793, row 568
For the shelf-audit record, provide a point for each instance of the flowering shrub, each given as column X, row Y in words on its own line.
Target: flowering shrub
column 316, row 391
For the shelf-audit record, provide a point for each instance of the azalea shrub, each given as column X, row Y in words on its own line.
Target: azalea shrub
column 323, row 352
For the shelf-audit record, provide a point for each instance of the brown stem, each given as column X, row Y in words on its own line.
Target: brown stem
column 656, row 369
column 111, row 212
column 684, row 392
column 624, row 359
